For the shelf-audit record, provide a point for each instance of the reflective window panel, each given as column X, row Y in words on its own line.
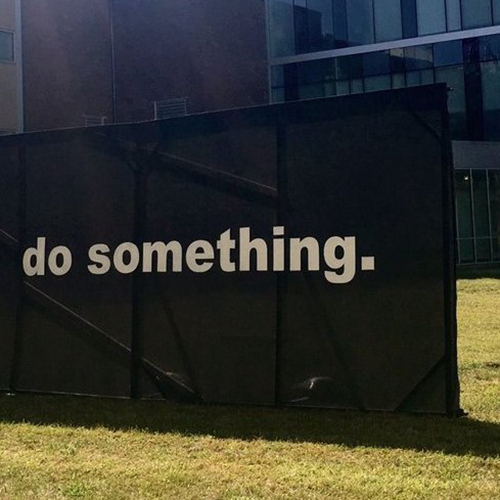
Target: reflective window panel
column 388, row 20
column 476, row 13
column 496, row 11
column 464, row 216
column 431, row 17
column 481, row 215
column 453, row 15
column 6, row 46
column 320, row 19
column 282, row 35
column 360, row 22
column 453, row 76
column 490, row 75
column 494, row 184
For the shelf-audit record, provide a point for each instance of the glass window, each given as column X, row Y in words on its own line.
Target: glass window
column 301, row 23
column 494, row 178
column 277, row 76
column 490, row 74
column 355, row 66
column 489, row 48
column 466, row 248
column 409, row 18
column 376, row 63
column 342, row 68
column 398, row 80
column 420, row 57
column 311, row 91
column 481, row 215
column 357, row 86
column 448, row 53
column 343, row 87
column 496, row 11
column 330, row 88
column 6, row 46
column 483, row 250
column 388, row 22
column 494, row 184
column 424, row 77
column 278, row 94
column 282, row 37
column 311, row 71
column 382, row 82
column 340, row 23
column 320, row 18
column 476, row 13
column 453, row 15
column 290, row 77
column 397, row 60
column 454, row 77
column 431, row 17
column 464, row 215
column 360, row 22
column 329, row 69
column 471, row 50
column 496, row 249
column 481, row 210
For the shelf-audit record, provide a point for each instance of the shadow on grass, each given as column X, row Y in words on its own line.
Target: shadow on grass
column 426, row 433
column 478, row 272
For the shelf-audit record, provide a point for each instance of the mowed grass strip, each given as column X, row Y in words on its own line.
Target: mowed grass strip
column 63, row 447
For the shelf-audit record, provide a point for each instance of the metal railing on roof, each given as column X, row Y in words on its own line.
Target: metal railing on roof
column 170, row 108
column 94, row 120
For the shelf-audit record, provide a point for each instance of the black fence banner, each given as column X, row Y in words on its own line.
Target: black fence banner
column 299, row 254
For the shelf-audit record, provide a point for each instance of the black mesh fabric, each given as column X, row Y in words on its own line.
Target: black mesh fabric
column 372, row 167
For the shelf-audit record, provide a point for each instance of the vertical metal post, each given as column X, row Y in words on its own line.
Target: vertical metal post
column 19, row 65
column 136, row 344
column 113, row 59
column 267, row 8
column 281, row 219
column 18, row 339
column 473, row 215
column 449, row 267
column 488, row 201
column 457, row 222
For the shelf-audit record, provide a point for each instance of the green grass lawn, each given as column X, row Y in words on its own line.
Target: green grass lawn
column 63, row 447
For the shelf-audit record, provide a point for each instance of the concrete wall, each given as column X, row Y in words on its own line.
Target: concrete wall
column 8, row 97
column 7, row 15
column 8, row 73
column 212, row 52
column 67, row 62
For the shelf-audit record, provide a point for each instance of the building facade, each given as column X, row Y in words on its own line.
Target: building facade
column 67, row 57
column 112, row 61
column 208, row 55
column 338, row 47
column 69, row 63
column 11, row 96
